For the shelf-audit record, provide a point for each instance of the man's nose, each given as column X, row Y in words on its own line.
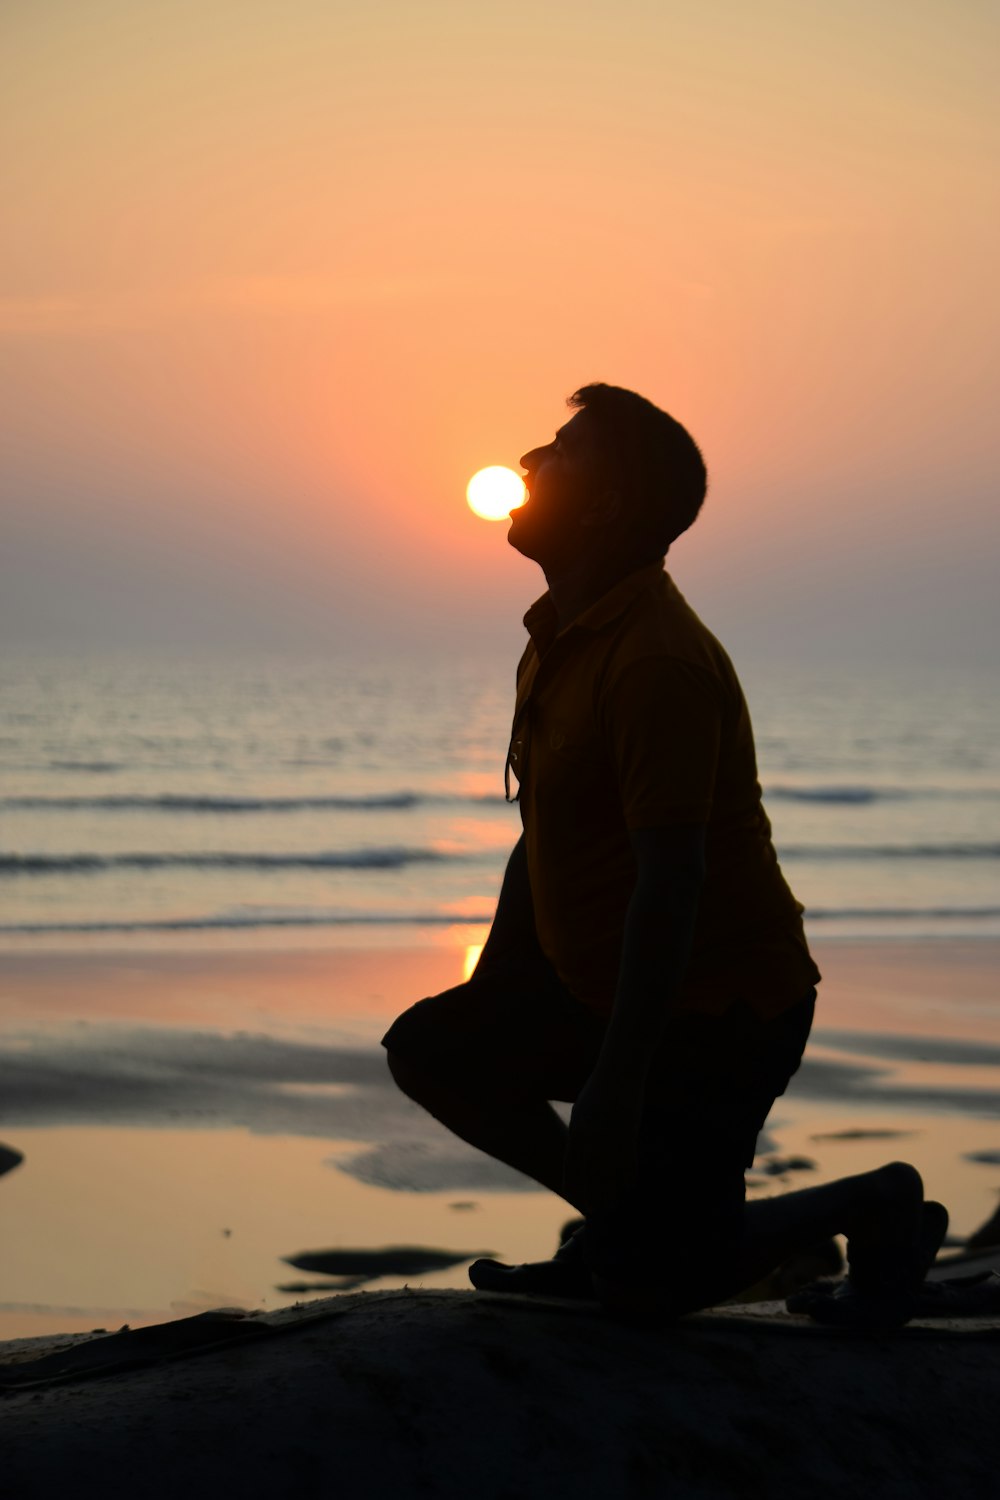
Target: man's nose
column 529, row 460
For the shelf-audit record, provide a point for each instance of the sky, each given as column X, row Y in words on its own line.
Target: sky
column 277, row 276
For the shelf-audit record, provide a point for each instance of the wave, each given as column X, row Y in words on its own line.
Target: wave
column 902, row 913
column 171, row 802
column 227, row 921
column 254, row 919
column 889, row 851
column 860, row 796
column 399, row 857
column 95, row 767
column 403, row 801
column 352, row 859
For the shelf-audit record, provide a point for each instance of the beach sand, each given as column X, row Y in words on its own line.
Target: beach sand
column 457, row 1394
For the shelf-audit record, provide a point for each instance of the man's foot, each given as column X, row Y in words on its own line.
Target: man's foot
column 877, row 1298
column 565, row 1275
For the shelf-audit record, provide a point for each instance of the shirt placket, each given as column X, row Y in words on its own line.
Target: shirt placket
column 517, row 754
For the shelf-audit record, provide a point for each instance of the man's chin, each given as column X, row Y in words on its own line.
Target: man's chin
column 519, row 536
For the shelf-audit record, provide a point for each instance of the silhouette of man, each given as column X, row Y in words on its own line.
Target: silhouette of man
column 647, row 960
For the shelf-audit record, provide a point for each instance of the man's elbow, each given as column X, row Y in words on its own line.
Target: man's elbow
column 671, row 860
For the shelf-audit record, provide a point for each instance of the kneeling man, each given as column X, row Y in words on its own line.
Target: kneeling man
column 647, row 960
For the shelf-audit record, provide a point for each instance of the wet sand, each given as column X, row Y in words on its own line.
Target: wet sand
column 193, row 1121
column 950, row 986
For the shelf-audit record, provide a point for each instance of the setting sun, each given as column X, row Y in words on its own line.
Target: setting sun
column 494, row 492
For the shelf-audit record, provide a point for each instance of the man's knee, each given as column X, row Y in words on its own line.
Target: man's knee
column 408, row 1075
column 421, row 1048
column 438, row 1081
column 418, row 1033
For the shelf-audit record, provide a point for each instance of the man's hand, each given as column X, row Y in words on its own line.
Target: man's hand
column 603, row 1143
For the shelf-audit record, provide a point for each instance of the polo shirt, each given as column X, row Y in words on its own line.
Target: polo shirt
column 633, row 717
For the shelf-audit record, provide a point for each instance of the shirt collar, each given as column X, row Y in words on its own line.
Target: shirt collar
column 540, row 621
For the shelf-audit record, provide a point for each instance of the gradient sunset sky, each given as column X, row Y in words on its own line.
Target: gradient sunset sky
column 279, row 275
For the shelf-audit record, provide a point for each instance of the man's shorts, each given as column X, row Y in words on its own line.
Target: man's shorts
column 708, row 1092
column 519, row 1028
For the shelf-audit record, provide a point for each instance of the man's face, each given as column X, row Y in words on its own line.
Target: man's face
column 562, row 479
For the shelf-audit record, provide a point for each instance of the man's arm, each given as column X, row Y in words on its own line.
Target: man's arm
column 512, row 937
column 659, row 932
column 656, row 948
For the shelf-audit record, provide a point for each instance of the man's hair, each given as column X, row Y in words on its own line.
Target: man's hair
column 653, row 459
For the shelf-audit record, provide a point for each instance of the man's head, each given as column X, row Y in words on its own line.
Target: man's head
column 621, row 476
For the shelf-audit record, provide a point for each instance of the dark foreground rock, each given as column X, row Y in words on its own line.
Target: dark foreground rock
column 464, row 1396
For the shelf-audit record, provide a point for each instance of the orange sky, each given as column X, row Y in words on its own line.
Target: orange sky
column 277, row 277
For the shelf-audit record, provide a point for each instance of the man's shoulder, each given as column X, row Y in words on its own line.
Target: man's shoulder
column 661, row 627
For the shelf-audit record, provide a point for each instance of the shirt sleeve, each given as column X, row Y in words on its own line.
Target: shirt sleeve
column 663, row 722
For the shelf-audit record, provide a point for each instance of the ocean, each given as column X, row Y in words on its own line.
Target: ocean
column 155, row 800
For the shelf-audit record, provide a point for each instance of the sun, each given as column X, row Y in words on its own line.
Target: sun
column 494, row 492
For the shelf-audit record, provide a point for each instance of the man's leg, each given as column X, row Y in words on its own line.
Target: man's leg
column 678, row 1219
column 893, row 1235
column 883, row 1214
column 507, row 1124
column 673, row 1255
column 486, row 1057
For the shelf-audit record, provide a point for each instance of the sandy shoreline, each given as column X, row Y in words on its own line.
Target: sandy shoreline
column 952, row 984
column 191, row 1119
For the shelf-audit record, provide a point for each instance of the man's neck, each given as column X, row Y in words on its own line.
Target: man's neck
column 575, row 588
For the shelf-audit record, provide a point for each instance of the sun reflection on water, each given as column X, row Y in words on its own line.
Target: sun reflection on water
column 472, row 952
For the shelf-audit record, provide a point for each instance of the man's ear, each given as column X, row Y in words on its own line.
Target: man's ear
column 603, row 510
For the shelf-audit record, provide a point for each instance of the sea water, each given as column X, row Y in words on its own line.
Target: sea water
column 287, row 798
